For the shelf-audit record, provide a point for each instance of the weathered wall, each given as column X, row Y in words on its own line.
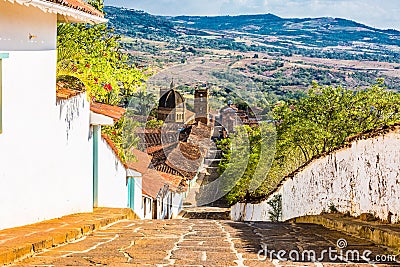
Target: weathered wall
column 177, row 204
column 45, row 155
column 45, row 151
column 147, row 204
column 363, row 178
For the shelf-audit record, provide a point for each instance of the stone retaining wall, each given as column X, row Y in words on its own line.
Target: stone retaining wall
column 363, row 177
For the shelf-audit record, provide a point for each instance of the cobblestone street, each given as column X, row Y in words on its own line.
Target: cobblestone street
column 191, row 242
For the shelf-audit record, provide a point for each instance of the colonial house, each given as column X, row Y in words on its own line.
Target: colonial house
column 162, row 195
column 49, row 139
column 115, row 184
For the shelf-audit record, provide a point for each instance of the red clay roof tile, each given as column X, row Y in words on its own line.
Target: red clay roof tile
column 110, row 111
column 78, row 5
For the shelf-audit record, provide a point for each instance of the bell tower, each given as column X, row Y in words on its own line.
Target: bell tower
column 201, row 104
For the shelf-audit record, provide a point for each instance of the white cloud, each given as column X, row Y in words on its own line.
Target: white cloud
column 378, row 13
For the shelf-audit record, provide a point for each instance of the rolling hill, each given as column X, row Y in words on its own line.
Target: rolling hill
column 315, row 37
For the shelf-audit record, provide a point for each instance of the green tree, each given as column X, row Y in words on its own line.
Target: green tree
column 92, row 54
column 98, row 4
column 315, row 124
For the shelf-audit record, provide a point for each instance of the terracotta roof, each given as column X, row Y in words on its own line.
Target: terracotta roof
column 65, row 94
column 142, row 162
column 173, row 179
column 153, row 149
column 68, row 11
column 69, row 87
column 78, row 5
column 152, row 183
column 186, row 159
column 167, row 169
column 160, row 156
column 200, row 135
column 201, row 130
column 110, row 111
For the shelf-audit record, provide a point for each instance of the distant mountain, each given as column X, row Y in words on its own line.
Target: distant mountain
column 315, row 37
column 330, row 31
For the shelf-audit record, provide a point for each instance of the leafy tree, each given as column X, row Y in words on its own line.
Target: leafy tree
column 141, row 103
column 98, row 4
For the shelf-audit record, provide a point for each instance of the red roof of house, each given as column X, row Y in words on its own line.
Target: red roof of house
column 152, row 180
column 152, row 183
column 173, row 179
column 142, row 162
column 110, row 111
column 68, row 89
column 65, row 93
column 79, row 5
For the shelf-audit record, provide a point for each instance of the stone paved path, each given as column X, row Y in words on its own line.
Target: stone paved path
column 196, row 243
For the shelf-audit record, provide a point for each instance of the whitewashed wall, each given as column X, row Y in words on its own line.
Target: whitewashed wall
column 18, row 22
column 44, row 173
column 45, row 151
column 138, row 204
column 364, row 178
column 177, row 204
column 147, row 203
column 113, row 188
column 251, row 212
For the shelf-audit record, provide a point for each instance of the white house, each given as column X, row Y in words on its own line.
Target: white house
column 114, row 183
column 47, row 145
column 161, row 196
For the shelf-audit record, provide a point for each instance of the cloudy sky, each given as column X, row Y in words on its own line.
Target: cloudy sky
column 378, row 13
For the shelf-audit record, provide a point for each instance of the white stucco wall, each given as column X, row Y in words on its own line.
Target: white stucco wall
column 45, row 150
column 364, row 178
column 113, row 188
column 177, row 204
column 250, row 212
column 18, row 22
column 45, row 156
column 147, row 203
column 138, row 205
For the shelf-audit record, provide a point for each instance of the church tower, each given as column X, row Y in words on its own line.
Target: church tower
column 201, row 104
column 171, row 106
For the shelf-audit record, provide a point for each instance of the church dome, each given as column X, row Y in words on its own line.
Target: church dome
column 170, row 99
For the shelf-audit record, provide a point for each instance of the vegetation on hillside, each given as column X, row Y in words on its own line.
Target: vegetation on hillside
column 313, row 125
column 92, row 54
column 319, row 37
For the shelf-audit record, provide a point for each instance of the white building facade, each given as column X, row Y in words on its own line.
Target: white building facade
column 46, row 144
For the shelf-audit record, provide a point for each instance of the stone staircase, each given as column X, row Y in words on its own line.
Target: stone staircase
column 209, row 213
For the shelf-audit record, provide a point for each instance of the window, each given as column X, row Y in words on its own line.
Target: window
column 2, row 55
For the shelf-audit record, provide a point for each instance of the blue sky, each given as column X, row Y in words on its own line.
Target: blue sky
column 377, row 13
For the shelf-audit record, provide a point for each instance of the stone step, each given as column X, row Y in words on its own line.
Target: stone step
column 208, row 215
